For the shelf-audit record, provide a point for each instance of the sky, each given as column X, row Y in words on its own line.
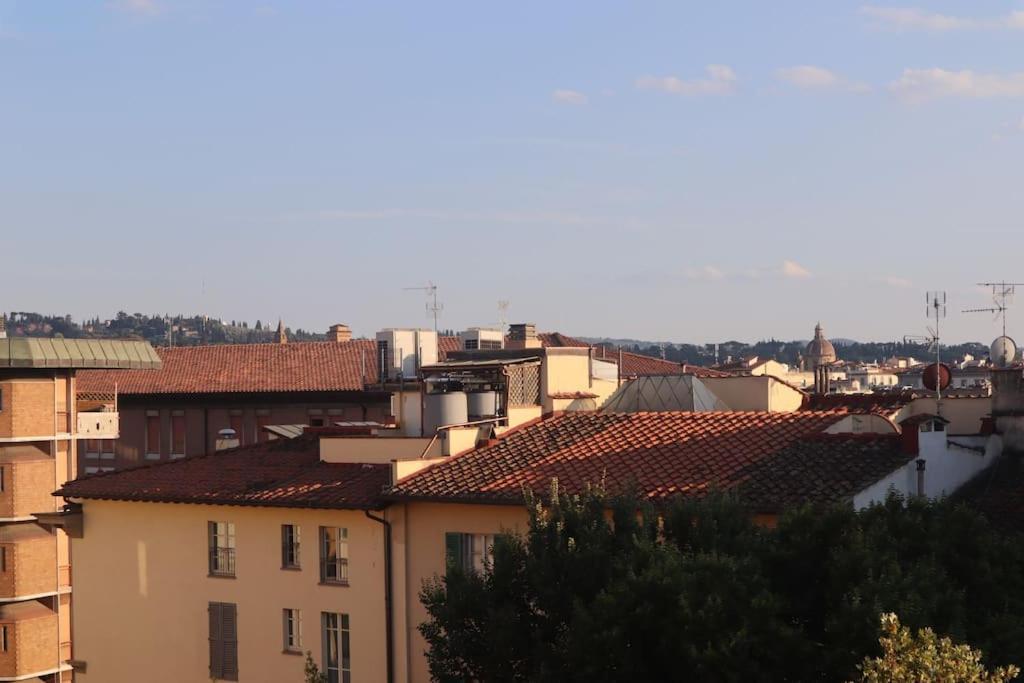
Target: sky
column 676, row 171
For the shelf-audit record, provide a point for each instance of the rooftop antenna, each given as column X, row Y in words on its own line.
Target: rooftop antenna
column 1002, row 297
column 503, row 315
column 935, row 309
column 433, row 308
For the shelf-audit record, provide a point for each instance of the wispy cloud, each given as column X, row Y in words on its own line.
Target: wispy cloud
column 809, row 77
column 710, row 273
column 896, row 281
column 569, row 97
column 793, row 269
column 146, row 8
column 721, row 80
column 926, row 84
column 916, row 19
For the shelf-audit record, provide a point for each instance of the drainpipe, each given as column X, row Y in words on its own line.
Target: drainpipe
column 388, row 618
column 921, row 463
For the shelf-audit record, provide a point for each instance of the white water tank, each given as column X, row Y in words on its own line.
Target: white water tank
column 483, row 404
column 441, row 410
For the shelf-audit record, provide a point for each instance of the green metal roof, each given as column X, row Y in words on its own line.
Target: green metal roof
column 36, row 352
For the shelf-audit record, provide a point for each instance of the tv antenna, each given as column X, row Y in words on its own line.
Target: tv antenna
column 503, row 314
column 1002, row 297
column 433, row 308
column 935, row 309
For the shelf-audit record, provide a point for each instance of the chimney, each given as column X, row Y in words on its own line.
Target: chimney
column 339, row 333
column 910, row 437
column 523, row 336
column 3, row 326
column 282, row 337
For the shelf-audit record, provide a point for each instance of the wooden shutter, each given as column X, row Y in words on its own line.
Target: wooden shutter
column 216, row 642
column 223, row 641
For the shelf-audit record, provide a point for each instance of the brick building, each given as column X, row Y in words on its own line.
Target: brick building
column 40, row 427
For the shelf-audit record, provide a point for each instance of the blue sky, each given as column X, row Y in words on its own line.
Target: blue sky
column 662, row 170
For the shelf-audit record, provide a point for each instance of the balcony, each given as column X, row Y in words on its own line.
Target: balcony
column 31, row 630
column 30, row 562
column 98, row 425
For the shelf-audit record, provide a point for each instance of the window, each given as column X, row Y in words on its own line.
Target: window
column 3, row 559
column 3, row 478
column 290, row 546
column 316, row 418
column 223, row 641
column 237, row 422
column 92, row 448
column 178, row 434
column 293, row 630
column 152, row 435
column 3, row 639
column 335, row 635
column 333, row 554
column 468, row 551
column 106, row 449
column 262, row 420
column 222, row 548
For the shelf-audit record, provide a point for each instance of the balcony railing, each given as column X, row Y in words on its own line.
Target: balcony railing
column 97, row 425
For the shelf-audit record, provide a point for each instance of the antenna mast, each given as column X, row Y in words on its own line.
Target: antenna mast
column 503, row 315
column 937, row 309
column 433, row 308
column 1002, row 297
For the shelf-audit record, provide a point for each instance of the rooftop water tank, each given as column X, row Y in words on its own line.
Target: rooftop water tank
column 483, row 404
column 441, row 410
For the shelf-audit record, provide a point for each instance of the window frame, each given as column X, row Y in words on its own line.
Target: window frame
column 178, row 418
column 222, row 667
column 291, row 546
column 339, row 671
column 291, row 619
column 468, row 551
column 340, row 560
column 150, row 453
column 218, row 553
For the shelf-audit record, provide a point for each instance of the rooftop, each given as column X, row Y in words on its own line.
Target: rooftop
column 776, row 458
column 280, row 473
column 638, row 365
column 36, row 352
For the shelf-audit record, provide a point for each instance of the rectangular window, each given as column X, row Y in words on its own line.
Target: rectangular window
column 152, row 435
column 468, row 552
column 293, row 630
column 106, row 449
column 92, row 448
column 3, row 639
column 316, row 417
column 178, row 434
column 223, row 641
column 237, row 422
column 333, row 554
column 3, row 478
column 222, row 548
column 290, row 546
column 262, row 420
column 3, row 559
column 335, row 636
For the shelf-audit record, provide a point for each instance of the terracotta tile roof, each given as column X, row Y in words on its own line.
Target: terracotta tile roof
column 823, row 469
column 248, row 368
column 281, row 473
column 639, row 365
column 234, row 368
column 572, row 394
column 557, row 339
column 663, row 454
column 881, row 403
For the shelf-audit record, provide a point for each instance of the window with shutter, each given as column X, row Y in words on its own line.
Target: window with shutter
column 223, row 641
column 152, row 435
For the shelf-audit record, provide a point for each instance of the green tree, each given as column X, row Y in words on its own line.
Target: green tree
column 312, row 671
column 924, row 657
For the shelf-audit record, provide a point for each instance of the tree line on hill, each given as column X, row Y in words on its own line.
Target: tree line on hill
column 696, row 591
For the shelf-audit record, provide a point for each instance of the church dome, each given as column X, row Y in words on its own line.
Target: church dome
column 820, row 350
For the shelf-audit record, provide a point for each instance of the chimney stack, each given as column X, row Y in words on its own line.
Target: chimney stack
column 282, row 336
column 523, row 336
column 339, row 333
column 3, row 326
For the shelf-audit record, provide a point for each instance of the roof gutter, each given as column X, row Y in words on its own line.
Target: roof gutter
column 388, row 609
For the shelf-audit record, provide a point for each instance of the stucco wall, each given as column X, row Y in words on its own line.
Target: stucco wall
column 142, row 591
column 419, row 535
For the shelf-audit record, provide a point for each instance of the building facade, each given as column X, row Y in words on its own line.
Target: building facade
column 41, row 427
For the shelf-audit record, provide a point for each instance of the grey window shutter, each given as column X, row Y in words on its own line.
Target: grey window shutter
column 229, row 633
column 216, row 647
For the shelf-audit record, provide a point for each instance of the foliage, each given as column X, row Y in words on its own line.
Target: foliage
column 312, row 671
column 911, row 658
column 696, row 591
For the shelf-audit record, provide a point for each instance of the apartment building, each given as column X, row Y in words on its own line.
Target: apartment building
column 40, row 429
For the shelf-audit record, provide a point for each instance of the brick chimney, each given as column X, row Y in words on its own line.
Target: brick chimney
column 282, row 336
column 523, row 336
column 339, row 333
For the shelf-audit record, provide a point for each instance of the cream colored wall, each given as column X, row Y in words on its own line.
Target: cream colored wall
column 142, row 590
column 783, row 398
column 603, row 389
column 760, row 393
column 862, row 424
column 370, row 449
column 517, row 416
column 419, row 547
column 564, row 370
column 964, row 414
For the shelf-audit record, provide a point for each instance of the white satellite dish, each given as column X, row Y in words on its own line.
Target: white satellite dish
column 1003, row 352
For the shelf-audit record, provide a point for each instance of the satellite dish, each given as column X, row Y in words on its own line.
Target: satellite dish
column 937, row 375
column 1003, row 352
